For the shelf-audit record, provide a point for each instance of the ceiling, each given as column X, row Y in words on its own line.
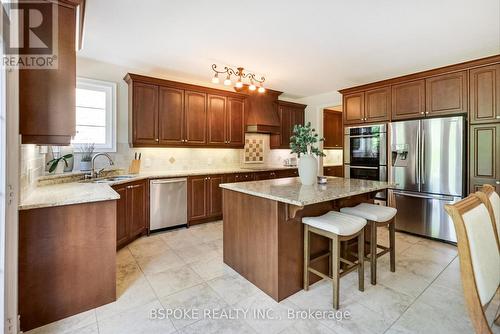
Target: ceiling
column 304, row 48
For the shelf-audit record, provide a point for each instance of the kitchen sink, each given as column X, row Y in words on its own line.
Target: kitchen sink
column 113, row 179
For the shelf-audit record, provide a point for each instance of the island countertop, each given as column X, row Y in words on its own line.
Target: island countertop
column 291, row 191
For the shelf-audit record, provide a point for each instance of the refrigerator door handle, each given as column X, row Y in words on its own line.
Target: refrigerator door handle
column 438, row 197
column 417, row 158
column 422, row 156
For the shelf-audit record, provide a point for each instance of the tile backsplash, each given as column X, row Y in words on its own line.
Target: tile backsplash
column 333, row 157
column 32, row 167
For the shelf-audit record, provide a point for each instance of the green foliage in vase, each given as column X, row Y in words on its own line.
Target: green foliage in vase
column 304, row 140
column 54, row 162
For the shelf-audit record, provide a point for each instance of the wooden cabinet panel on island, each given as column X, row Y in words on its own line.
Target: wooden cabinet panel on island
column 408, row 100
column 485, row 94
column 446, row 94
column 47, row 108
column 131, row 211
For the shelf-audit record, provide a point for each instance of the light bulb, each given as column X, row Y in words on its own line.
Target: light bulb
column 261, row 89
column 228, row 81
column 215, row 79
column 252, row 86
column 239, row 84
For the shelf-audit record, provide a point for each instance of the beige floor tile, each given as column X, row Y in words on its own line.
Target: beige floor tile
column 450, row 277
column 199, row 298
column 136, row 321
column 361, row 320
column 196, row 253
column 180, row 238
column 137, row 293
column 439, row 310
column 81, row 322
column 173, row 280
column 148, row 246
column 385, row 301
column 218, row 326
column 212, row 268
column 265, row 315
column 307, row 327
column 165, row 260
column 232, row 288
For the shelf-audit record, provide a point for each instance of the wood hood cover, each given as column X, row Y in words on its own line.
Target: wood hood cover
column 262, row 112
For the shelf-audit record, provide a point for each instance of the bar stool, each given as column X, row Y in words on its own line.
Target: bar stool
column 337, row 227
column 377, row 216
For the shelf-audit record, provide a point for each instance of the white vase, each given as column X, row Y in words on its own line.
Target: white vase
column 85, row 166
column 308, row 169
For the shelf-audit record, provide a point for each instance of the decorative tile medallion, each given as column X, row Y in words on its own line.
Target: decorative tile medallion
column 254, row 151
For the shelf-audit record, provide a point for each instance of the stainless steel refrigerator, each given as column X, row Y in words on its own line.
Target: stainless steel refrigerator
column 427, row 163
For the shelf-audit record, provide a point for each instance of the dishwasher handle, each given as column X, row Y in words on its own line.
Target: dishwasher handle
column 162, row 181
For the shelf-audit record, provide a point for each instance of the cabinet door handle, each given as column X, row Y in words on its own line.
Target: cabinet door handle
column 157, row 139
column 422, row 113
column 497, row 182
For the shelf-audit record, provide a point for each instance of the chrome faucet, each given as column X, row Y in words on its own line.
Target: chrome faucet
column 95, row 174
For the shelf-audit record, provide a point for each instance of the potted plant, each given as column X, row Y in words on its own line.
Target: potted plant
column 56, row 166
column 86, row 160
column 303, row 144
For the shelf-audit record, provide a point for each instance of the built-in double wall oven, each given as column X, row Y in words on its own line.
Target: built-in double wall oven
column 365, row 154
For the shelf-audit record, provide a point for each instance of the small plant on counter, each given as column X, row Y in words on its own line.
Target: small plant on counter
column 304, row 139
column 87, row 151
column 54, row 162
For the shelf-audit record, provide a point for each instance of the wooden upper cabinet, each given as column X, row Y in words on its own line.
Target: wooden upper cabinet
column 235, row 123
column 408, row 100
column 47, row 109
column 446, row 94
column 484, row 152
column 353, row 108
column 290, row 114
column 332, row 129
column 485, row 94
column 171, row 115
column 378, row 104
column 216, row 115
column 195, row 111
column 145, row 115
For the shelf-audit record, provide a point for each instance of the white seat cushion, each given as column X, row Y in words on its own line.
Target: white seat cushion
column 373, row 212
column 495, row 203
column 336, row 222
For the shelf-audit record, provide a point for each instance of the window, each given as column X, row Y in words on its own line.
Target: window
column 96, row 114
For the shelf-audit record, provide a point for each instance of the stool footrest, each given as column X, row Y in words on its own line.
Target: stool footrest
column 319, row 257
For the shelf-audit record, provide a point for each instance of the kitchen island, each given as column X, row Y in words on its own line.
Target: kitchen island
column 263, row 233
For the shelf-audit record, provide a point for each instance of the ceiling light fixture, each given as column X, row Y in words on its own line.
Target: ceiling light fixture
column 241, row 75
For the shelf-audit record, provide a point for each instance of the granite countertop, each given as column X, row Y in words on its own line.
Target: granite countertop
column 291, row 191
column 67, row 189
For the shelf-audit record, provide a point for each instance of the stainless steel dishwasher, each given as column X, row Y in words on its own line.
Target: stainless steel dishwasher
column 167, row 203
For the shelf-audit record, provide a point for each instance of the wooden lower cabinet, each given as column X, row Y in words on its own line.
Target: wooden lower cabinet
column 333, row 171
column 204, row 198
column 131, row 211
column 484, row 156
column 264, row 176
column 67, row 261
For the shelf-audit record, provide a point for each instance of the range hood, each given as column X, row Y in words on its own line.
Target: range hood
column 262, row 112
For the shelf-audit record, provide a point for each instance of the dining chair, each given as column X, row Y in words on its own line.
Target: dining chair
column 479, row 257
column 490, row 198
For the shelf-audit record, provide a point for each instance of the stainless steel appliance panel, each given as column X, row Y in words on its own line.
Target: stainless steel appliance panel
column 168, row 203
column 442, row 154
column 425, row 215
column 405, row 148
